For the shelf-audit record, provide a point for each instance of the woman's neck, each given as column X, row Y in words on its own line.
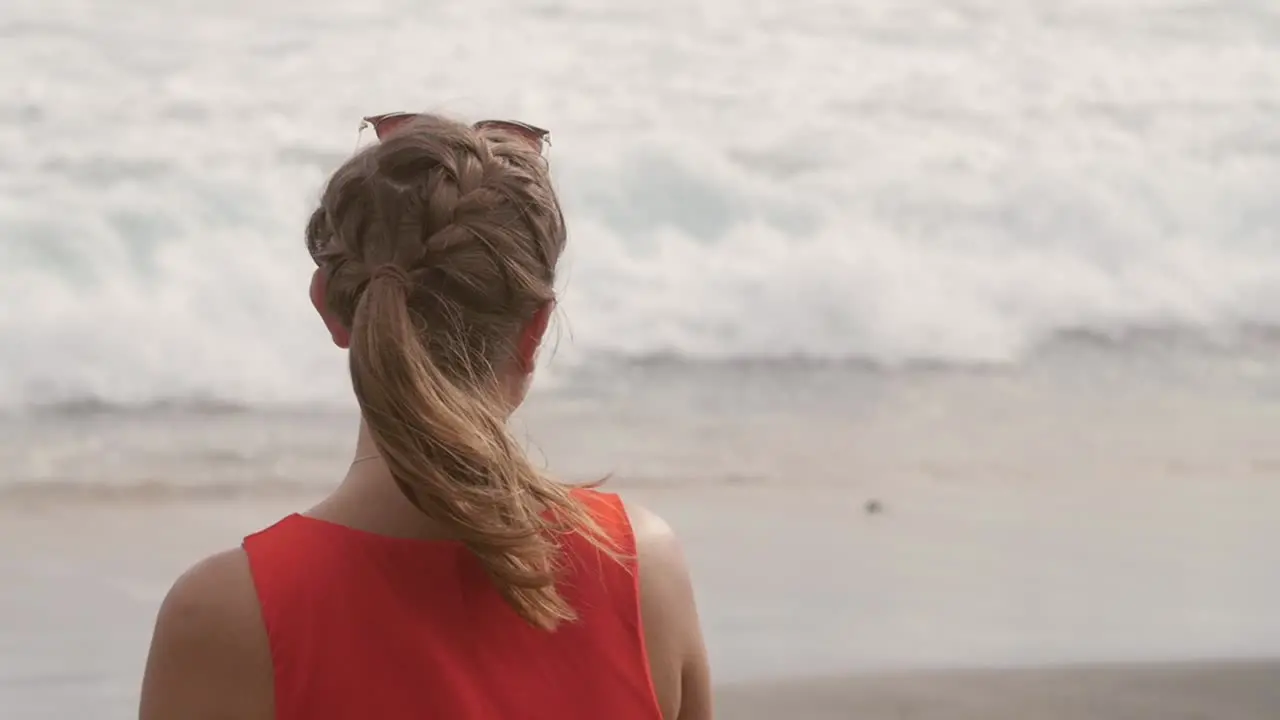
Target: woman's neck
column 366, row 448
column 368, row 498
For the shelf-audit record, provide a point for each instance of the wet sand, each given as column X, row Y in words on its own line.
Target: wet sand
column 80, row 582
column 1207, row 691
column 1018, row 527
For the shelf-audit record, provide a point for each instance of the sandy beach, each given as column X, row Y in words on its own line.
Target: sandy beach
column 1192, row 691
column 856, row 617
column 1111, row 530
column 1100, row 549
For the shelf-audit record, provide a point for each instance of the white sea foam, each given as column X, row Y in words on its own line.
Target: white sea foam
column 891, row 181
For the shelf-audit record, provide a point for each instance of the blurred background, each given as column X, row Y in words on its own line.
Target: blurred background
column 946, row 333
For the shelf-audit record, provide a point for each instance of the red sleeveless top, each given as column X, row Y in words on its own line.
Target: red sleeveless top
column 369, row 627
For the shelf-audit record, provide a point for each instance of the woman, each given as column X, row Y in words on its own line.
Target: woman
column 445, row 577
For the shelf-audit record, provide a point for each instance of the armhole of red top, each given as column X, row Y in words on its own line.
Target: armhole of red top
column 619, row 527
column 260, row 549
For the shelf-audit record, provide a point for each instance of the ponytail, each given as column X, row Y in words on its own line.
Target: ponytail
column 449, row 451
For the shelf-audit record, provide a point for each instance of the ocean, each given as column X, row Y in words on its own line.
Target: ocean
column 1010, row 270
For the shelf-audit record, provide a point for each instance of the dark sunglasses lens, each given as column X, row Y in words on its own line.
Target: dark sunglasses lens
column 384, row 125
column 535, row 137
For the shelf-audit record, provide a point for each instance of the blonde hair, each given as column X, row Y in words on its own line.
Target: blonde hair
column 439, row 245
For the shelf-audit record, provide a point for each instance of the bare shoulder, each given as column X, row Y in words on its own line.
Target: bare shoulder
column 215, row 593
column 666, row 588
column 673, row 634
column 654, row 537
column 209, row 655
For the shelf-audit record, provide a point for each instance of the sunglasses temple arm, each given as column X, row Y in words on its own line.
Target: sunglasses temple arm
column 360, row 132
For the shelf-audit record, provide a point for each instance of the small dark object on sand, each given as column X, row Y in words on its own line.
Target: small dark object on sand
column 873, row 507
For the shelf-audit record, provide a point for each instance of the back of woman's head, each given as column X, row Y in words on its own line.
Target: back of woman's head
column 437, row 247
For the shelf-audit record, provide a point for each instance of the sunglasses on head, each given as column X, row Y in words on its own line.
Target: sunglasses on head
column 536, row 137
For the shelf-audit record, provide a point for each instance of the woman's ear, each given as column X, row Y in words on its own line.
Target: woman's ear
column 531, row 337
column 319, row 288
